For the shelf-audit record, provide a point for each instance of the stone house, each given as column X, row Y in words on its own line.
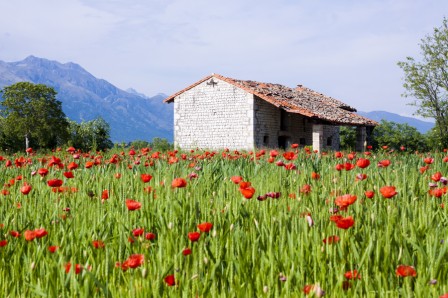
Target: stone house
column 220, row 112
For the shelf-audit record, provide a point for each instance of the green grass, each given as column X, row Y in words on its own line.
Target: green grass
column 255, row 249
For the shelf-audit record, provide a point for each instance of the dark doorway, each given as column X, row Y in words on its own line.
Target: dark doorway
column 283, row 142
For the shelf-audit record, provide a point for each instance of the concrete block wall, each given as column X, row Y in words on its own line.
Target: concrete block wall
column 214, row 116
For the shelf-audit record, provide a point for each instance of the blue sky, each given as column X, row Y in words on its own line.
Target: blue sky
column 345, row 49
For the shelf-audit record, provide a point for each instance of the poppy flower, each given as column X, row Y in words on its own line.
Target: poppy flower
column 205, row 227
column 349, row 166
column 150, row 236
column 54, row 182
column 436, row 177
column 236, row 179
column 146, row 178
column 384, row 163
column 72, row 166
column 39, row 233
column 273, row 153
column 105, row 194
column 345, row 200
column 338, row 154
column 305, row 189
column 133, row 205
column 53, row 248
column 25, row 189
column 186, row 251
column 336, row 218
column 437, row 192
column 246, row 189
column 179, row 183
column 354, row 274
column 98, row 244
column 42, row 172
column 169, row 280
column 89, row 164
column 289, row 155
column 14, row 234
column 345, row 222
column 68, row 175
column 290, row 166
column 363, row 163
column 194, row 236
column 360, row 177
column 138, row 232
column 134, row 261
column 369, row 193
column 331, row 239
column 3, row 243
column 404, row 270
column 388, row 191
column 315, row 176
column 29, row 235
column 428, row 160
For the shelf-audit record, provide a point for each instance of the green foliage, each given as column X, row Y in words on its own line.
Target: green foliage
column 139, row 144
column 160, row 144
column 347, row 135
column 427, row 80
column 31, row 113
column 90, row 135
column 396, row 135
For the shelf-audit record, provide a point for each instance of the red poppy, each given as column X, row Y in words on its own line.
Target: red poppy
column 363, row 163
column 72, row 166
column 98, row 244
column 150, row 236
column 349, row 166
column 105, row 194
column 428, row 160
column 360, row 177
column 138, row 232
column 388, row 191
column 339, row 167
column 273, row 153
column 69, row 175
column 369, row 193
column 315, row 176
column 39, row 233
column 345, row 200
column 246, row 189
column 25, row 189
column 29, row 235
column 289, row 155
column 345, row 222
column 437, row 192
column 186, row 251
column 384, row 163
column 436, row 177
column 306, row 189
column 133, row 205
column 194, row 236
column 331, row 239
column 14, row 234
column 134, row 261
column 336, row 218
column 236, row 179
column 53, row 248
column 3, row 243
column 354, row 274
column 89, row 164
column 179, row 183
column 404, row 270
column 42, row 172
column 205, row 227
column 146, row 178
column 54, row 182
column 338, row 154
column 170, row 281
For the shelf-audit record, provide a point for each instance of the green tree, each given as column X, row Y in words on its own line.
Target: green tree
column 347, row 136
column 427, row 80
column 90, row 135
column 139, row 144
column 32, row 116
column 394, row 135
column 160, row 144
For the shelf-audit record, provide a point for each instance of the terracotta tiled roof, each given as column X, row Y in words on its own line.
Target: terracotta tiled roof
column 300, row 100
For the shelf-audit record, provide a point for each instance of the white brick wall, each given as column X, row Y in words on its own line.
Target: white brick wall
column 213, row 117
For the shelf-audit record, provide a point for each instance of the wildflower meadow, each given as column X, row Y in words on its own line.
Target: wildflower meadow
column 267, row 223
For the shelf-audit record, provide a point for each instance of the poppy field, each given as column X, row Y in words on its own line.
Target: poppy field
column 196, row 223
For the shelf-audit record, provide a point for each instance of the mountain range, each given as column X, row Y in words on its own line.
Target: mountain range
column 130, row 114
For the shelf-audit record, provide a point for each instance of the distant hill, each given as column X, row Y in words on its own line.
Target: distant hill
column 131, row 115
column 421, row 126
